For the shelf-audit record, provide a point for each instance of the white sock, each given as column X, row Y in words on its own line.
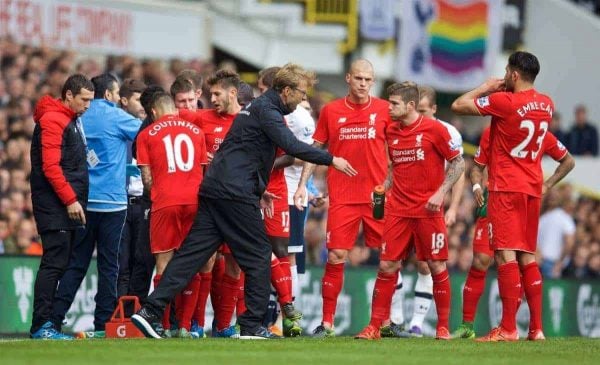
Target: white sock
column 423, row 298
column 295, row 282
column 397, row 310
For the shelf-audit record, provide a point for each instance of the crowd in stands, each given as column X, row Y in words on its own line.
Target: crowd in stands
column 27, row 73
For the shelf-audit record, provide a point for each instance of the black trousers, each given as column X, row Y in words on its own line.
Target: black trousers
column 55, row 259
column 241, row 226
column 136, row 262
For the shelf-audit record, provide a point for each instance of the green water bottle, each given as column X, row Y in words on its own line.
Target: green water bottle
column 378, row 201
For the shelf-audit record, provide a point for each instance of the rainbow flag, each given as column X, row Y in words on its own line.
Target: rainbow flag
column 458, row 37
column 451, row 45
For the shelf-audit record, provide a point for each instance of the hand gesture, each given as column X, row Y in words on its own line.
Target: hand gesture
column 299, row 197
column 344, row 166
column 435, row 202
column 75, row 212
column 266, row 203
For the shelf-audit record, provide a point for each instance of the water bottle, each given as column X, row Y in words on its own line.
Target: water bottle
column 378, row 201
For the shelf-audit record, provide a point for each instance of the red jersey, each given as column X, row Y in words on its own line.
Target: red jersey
column 481, row 156
column 277, row 184
column 418, row 153
column 214, row 125
column 355, row 132
column 518, row 138
column 175, row 150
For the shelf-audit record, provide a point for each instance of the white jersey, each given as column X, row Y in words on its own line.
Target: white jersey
column 302, row 125
column 454, row 134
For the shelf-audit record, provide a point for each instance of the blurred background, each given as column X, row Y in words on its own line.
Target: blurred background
column 42, row 42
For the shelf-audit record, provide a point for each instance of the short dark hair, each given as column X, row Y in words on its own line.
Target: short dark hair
column 407, row 90
column 192, row 76
column 162, row 98
column 131, row 86
column 147, row 97
column 225, row 78
column 75, row 83
column 245, row 93
column 181, row 85
column 267, row 75
column 102, row 83
column 526, row 64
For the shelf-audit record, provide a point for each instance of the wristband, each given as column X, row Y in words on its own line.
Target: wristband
column 476, row 187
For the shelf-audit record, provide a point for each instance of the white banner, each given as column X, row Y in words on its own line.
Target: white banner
column 451, row 45
column 377, row 21
column 126, row 27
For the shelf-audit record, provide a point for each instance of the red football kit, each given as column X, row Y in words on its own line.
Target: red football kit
column 518, row 138
column 481, row 237
column 175, row 150
column 418, row 153
column 355, row 132
column 279, row 224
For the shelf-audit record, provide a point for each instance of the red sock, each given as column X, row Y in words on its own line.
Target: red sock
column 241, row 302
column 284, row 263
column 441, row 295
column 165, row 320
column 385, row 285
column 215, row 288
column 203, row 291
column 472, row 292
column 278, row 280
column 185, row 303
column 509, row 285
column 331, row 284
column 229, row 293
column 532, row 280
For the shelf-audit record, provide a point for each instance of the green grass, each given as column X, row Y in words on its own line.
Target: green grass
column 304, row 351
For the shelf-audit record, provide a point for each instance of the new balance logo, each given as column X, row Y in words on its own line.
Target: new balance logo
column 537, row 282
column 395, row 141
column 218, row 129
column 342, row 120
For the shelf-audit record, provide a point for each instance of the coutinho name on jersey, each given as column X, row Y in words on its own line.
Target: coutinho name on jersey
column 156, row 127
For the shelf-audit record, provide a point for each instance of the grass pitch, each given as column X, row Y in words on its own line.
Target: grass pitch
column 302, row 351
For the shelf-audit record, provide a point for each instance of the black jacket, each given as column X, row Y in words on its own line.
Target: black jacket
column 241, row 167
column 59, row 172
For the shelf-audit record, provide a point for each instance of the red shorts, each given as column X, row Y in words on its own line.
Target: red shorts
column 427, row 234
column 343, row 222
column 514, row 219
column 279, row 225
column 481, row 237
column 170, row 225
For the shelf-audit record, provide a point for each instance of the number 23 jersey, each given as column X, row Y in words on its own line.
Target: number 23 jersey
column 519, row 138
column 175, row 150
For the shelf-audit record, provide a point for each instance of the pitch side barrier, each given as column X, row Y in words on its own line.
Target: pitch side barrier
column 571, row 307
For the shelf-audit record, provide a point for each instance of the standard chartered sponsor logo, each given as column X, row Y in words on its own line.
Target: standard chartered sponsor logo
column 588, row 311
column 556, row 296
column 23, row 281
column 372, row 133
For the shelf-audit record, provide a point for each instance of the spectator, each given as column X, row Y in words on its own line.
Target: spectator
column 577, row 268
column 27, row 239
column 556, row 129
column 556, row 236
column 582, row 139
column 7, row 244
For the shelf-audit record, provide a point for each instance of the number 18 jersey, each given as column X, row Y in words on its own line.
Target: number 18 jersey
column 518, row 139
column 175, row 150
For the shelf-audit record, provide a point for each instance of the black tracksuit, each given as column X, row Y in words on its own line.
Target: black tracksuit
column 229, row 206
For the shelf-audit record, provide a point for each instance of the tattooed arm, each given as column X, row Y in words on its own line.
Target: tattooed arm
column 567, row 164
column 455, row 169
column 146, row 178
column 307, row 171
